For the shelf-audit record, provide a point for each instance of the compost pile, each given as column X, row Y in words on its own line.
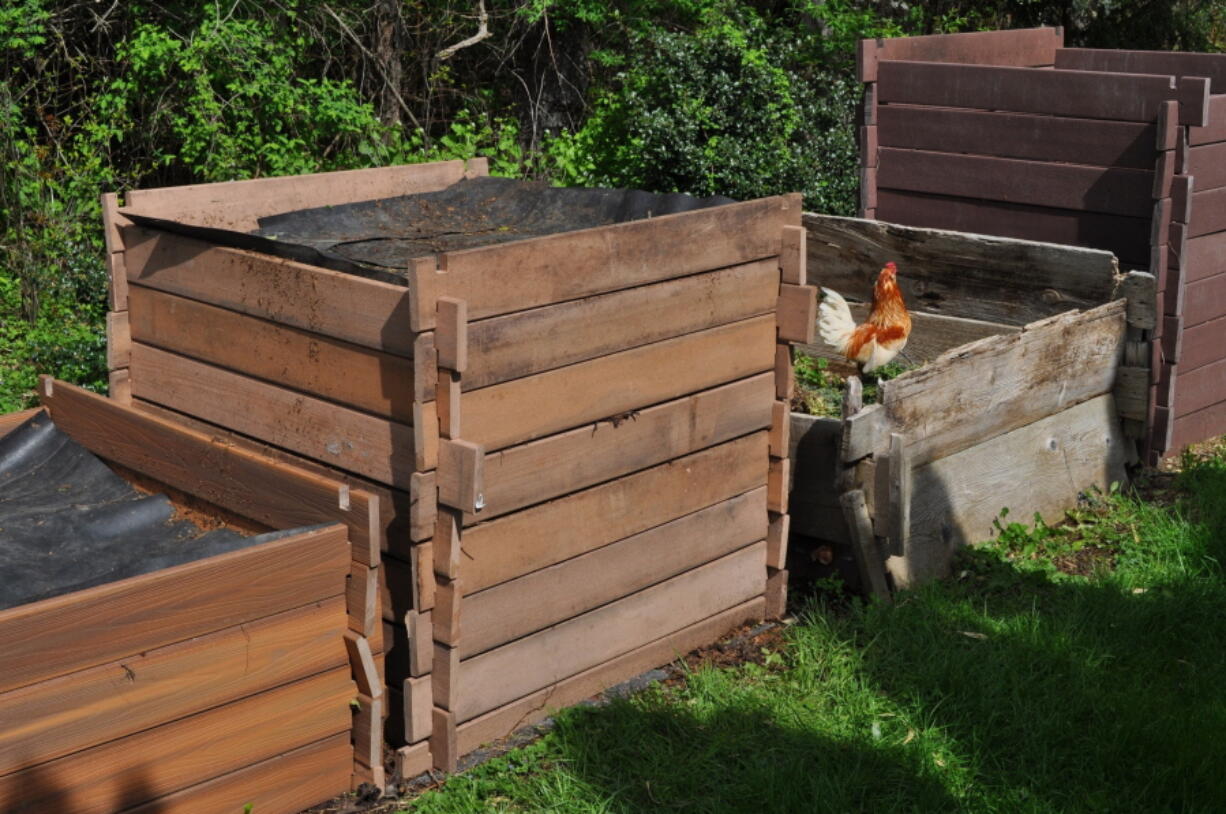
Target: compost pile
column 67, row 522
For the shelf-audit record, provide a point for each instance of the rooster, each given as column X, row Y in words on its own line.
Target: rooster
column 878, row 340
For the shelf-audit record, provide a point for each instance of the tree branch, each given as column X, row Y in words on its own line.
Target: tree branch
column 483, row 31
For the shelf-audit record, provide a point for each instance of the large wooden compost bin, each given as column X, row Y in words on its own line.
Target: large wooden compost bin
column 581, row 435
column 204, row 673
column 1009, row 133
column 1031, row 390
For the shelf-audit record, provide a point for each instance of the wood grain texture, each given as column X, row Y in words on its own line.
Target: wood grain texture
column 998, row 384
column 11, row 421
column 156, row 762
column 797, row 315
column 1171, row 63
column 1203, row 256
column 82, row 629
column 363, row 600
column 1202, row 425
column 118, row 340
column 1200, row 388
column 1208, row 212
column 554, row 594
column 325, row 432
column 1215, row 129
column 1205, row 300
column 931, row 334
column 956, row 498
column 1203, row 343
column 1207, row 163
column 513, row 671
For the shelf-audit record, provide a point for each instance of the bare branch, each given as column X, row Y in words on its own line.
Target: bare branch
column 483, row 31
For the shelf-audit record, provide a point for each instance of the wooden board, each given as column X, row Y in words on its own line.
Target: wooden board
column 1027, row 47
column 525, row 409
column 958, row 275
column 537, row 705
column 329, row 368
column 1207, row 164
column 239, row 480
column 955, row 499
column 541, row 339
column 534, row 601
column 541, row 470
column 141, row 767
column 239, row 204
column 1215, row 130
column 502, row 675
column 49, row 719
column 1203, row 343
column 1204, row 256
column 365, row 312
column 1126, row 237
column 1171, row 63
column 1093, row 142
column 1205, row 300
column 1208, row 212
column 1111, row 190
column 11, row 421
column 74, row 631
column 544, row 535
column 983, row 390
column 338, row 436
column 1199, row 426
column 1079, row 94
column 814, row 501
column 527, row 274
column 1200, row 388
column 931, row 334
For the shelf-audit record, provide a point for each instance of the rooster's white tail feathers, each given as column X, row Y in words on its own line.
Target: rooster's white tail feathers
column 834, row 320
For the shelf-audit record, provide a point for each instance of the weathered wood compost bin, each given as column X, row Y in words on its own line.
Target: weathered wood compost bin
column 1117, row 150
column 203, row 686
column 582, row 435
column 1032, row 389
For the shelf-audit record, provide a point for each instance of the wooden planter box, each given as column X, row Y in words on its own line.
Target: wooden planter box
column 582, row 437
column 1009, row 133
column 1033, row 390
column 200, row 687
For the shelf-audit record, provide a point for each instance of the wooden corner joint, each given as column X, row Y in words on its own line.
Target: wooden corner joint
column 461, row 475
column 796, row 315
column 792, row 251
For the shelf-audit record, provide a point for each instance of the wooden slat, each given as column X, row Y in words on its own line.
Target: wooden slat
column 1082, row 94
column 536, row 472
column 1203, row 256
column 813, row 502
column 1126, row 237
column 534, row 601
column 367, row 727
column 530, row 273
column 338, row 371
column 1208, row 212
column 525, row 409
column 11, row 421
column 1200, row 388
column 1171, row 63
column 246, row 483
column 239, row 204
column 49, row 719
column 1203, row 343
column 797, row 315
column 362, row 600
column 1208, row 164
column 1199, row 426
column 156, row 762
column 543, row 702
column 864, row 543
column 502, row 675
column 74, row 631
column 1093, row 142
column 957, row 498
column 931, row 334
column 1027, row 47
column 118, row 340
column 1205, row 300
column 365, row 312
column 1005, row 382
column 325, row 432
column 1215, row 130
column 1111, row 190
column 539, row 537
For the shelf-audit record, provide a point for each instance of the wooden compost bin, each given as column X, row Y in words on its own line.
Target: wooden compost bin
column 582, row 436
column 200, row 687
column 1009, row 133
column 1032, row 389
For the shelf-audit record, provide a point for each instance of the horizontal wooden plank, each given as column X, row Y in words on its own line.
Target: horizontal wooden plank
column 1202, row 425
column 1081, row 94
column 1205, row 300
column 365, row 312
column 1208, row 212
column 1203, row 256
column 1111, row 190
column 1200, row 388
column 998, row 384
column 551, row 595
column 1094, row 142
column 543, row 702
column 1126, row 237
column 513, row 671
column 338, row 436
column 334, row 370
column 239, row 204
column 1203, row 343
column 50, row 719
column 544, row 535
column 529, row 408
column 1027, row 47
column 958, row 275
column 240, row 480
column 1207, row 163
column 541, row 339
column 10, row 421
column 1170, row 63
column 955, row 499
column 142, row 767
column 1215, row 129
column 74, row 631
column 541, row 470
column 526, row 274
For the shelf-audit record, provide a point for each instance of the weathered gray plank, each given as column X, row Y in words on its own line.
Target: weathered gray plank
column 931, row 334
column 956, row 498
column 814, row 501
column 992, row 386
column 864, row 544
column 977, row 277
column 1140, row 288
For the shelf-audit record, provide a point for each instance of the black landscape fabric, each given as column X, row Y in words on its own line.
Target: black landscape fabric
column 67, row 522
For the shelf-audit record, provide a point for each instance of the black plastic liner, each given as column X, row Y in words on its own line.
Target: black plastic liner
column 68, row 522
column 379, row 238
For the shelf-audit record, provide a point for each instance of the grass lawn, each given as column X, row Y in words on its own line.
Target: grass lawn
column 1078, row 669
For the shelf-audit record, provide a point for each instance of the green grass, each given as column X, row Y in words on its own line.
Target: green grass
column 1012, row 687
